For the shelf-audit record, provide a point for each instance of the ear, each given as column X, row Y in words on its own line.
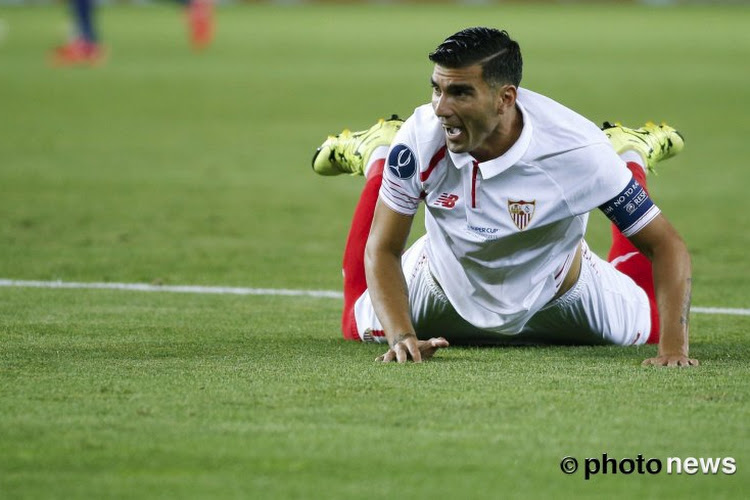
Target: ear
column 506, row 98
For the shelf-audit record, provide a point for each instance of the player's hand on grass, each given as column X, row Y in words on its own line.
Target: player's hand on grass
column 409, row 347
column 670, row 360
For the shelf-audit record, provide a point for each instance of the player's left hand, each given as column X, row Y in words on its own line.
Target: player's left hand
column 670, row 360
column 401, row 352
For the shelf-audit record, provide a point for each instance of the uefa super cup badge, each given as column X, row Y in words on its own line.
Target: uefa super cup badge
column 521, row 212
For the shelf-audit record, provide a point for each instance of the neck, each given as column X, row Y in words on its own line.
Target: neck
column 503, row 137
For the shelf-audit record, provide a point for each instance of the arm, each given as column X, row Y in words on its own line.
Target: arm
column 388, row 290
column 385, row 278
column 660, row 242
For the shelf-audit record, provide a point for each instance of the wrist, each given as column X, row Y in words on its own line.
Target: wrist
column 399, row 337
column 673, row 351
column 673, row 343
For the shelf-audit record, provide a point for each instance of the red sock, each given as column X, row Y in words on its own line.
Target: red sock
column 635, row 264
column 355, row 282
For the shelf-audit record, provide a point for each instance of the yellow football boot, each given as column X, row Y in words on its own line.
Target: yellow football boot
column 349, row 152
column 653, row 142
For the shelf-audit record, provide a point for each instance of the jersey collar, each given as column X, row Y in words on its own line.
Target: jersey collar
column 498, row 165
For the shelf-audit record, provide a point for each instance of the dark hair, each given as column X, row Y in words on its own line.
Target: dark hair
column 499, row 55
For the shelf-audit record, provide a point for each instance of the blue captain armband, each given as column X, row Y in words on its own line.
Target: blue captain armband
column 631, row 210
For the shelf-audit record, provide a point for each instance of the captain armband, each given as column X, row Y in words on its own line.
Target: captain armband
column 631, row 210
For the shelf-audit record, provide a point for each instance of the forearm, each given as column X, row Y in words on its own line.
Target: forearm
column 389, row 294
column 672, row 285
column 670, row 261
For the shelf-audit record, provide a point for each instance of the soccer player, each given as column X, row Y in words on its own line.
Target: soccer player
column 85, row 47
column 508, row 178
column 200, row 20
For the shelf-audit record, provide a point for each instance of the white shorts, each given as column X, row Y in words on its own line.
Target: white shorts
column 604, row 307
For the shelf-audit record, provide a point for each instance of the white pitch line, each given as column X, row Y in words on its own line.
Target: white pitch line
column 720, row 310
column 226, row 290
column 144, row 287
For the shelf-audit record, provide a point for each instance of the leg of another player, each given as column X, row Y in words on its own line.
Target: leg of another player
column 84, row 48
column 84, row 14
column 200, row 22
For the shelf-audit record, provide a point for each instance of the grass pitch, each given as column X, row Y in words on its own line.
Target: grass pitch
column 170, row 167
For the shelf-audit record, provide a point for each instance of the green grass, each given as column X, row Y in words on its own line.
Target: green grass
column 171, row 167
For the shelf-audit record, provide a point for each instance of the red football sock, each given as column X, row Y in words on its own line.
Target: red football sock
column 355, row 282
column 633, row 263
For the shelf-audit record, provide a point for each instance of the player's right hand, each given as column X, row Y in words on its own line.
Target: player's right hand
column 411, row 348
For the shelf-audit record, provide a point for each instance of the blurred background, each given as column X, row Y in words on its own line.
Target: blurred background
column 175, row 149
column 170, row 162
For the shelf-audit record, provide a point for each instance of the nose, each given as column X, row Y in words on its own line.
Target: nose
column 440, row 106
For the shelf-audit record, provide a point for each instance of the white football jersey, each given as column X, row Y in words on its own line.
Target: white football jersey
column 502, row 233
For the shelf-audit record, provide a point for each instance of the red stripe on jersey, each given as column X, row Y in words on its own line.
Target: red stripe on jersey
column 407, row 209
column 395, row 189
column 392, row 191
column 474, row 185
column 423, row 176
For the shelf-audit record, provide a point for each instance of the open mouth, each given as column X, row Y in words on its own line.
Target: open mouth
column 453, row 132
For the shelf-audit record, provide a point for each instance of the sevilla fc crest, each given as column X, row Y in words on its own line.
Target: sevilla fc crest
column 521, row 212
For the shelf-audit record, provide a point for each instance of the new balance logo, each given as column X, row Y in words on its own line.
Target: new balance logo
column 446, row 200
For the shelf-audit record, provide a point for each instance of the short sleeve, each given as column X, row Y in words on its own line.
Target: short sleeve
column 401, row 190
